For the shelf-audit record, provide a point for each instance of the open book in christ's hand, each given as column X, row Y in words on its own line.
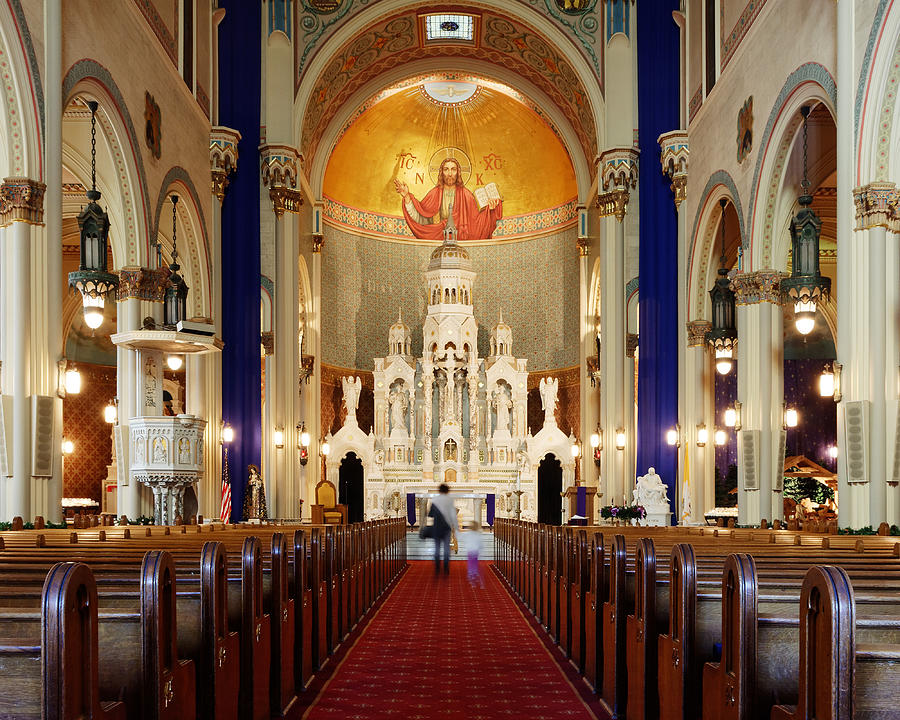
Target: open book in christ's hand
column 485, row 194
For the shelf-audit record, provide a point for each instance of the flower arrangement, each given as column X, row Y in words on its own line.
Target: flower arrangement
column 623, row 512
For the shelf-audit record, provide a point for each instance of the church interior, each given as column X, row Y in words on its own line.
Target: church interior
column 272, row 272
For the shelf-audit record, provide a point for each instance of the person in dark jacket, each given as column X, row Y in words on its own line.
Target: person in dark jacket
column 444, row 514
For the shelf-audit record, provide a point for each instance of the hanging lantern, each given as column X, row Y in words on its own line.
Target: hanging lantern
column 175, row 303
column 93, row 279
column 723, row 335
column 805, row 288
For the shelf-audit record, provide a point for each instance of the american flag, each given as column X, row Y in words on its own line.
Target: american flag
column 225, row 508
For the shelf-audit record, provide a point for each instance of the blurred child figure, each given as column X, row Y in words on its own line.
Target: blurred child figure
column 472, row 540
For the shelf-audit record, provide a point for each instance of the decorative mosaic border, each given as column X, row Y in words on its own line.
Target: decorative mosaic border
column 516, row 226
column 886, row 117
column 731, row 42
column 695, row 103
column 156, row 23
column 34, row 74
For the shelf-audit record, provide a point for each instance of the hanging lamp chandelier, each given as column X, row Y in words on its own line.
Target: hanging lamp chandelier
column 805, row 288
column 723, row 335
column 93, row 279
column 175, row 303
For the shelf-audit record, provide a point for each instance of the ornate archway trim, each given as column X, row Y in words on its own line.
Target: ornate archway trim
column 700, row 249
column 864, row 73
column 91, row 70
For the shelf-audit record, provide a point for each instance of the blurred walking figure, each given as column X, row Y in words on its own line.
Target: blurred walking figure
column 444, row 514
column 472, row 540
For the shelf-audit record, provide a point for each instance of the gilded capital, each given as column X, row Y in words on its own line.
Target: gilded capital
column 614, row 202
column 618, row 174
column 583, row 246
column 318, row 243
column 21, row 200
column 280, row 166
column 757, row 287
column 696, row 332
column 223, row 157
column 137, row 283
column 876, row 206
column 678, row 187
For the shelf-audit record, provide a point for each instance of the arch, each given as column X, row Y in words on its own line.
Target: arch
column 88, row 77
column 876, row 99
column 632, row 299
column 809, row 83
column 720, row 184
column 549, row 489
column 21, row 148
column 190, row 215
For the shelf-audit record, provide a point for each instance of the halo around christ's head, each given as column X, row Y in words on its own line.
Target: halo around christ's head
column 465, row 165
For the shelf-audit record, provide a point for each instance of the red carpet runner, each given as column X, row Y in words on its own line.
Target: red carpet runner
column 439, row 648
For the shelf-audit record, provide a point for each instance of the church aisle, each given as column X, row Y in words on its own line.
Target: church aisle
column 439, row 647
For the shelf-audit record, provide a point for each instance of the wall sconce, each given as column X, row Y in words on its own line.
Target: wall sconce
column 733, row 416
column 68, row 379
column 791, row 417
column 576, row 449
column 673, row 436
column 620, row 438
column 68, row 447
column 174, row 362
column 278, row 438
column 303, row 442
column 702, row 435
column 597, row 444
column 325, row 448
column 830, row 381
column 832, row 452
column 227, row 434
column 111, row 412
column 719, row 437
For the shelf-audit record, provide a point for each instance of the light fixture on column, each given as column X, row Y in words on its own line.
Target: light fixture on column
column 702, row 435
column 278, row 437
column 227, row 434
column 830, row 381
column 733, row 416
column 68, row 447
column 597, row 444
column 805, row 287
column 673, row 436
column 791, row 418
column 175, row 302
column 72, row 381
column 723, row 334
column 174, row 362
column 620, row 438
column 93, row 279
column 576, row 449
column 303, row 442
column 110, row 412
column 325, row 448
column 719, row 437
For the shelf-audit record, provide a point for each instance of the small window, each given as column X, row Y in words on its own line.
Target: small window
column 449, row 27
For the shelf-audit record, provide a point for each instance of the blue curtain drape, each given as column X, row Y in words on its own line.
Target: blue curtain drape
column 490, row 508
column 658, row 101
column 239, row 93
column 411, row 508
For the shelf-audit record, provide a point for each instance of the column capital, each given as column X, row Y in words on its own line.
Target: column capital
column 631, row 343
column 223, row 157
column 318, row 243
column 21, row 200
column 137, row 283
column 696, row 332
column 267, row 339
column 618, row 174
column 280, row 167
column 877, row 206
column 583, row 246
column 758, row 287
column 674, row 153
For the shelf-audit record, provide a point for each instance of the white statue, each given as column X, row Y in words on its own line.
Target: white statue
column 399, row 403
column 548, row 388
column 352, row 389
column 650, row 492
column 502, row 405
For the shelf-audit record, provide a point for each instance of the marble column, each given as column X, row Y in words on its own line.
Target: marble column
column 280, row 168
column 697, row 408
column 21, row 212
column 618, row 173
column 761, row 394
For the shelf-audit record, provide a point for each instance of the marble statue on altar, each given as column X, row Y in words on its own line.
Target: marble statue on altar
column 255, row 496
column 352, row 388
column 502, row 405
column 399, row 402
column 651, row 493
column 548, row 389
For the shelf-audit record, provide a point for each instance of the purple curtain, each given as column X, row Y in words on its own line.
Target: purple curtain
column 490, row 509
column 411, row 508
column 581, row 501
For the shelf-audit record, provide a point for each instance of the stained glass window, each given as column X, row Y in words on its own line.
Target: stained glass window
column 448, row 27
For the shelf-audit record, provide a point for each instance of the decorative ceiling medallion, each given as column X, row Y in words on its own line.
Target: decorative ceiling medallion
column 448, row 93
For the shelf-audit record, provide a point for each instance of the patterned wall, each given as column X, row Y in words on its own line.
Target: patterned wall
column 83, row 424
column 366, row 280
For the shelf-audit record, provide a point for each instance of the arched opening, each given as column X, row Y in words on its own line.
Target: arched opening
column 350, row 487
column 549, row 510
